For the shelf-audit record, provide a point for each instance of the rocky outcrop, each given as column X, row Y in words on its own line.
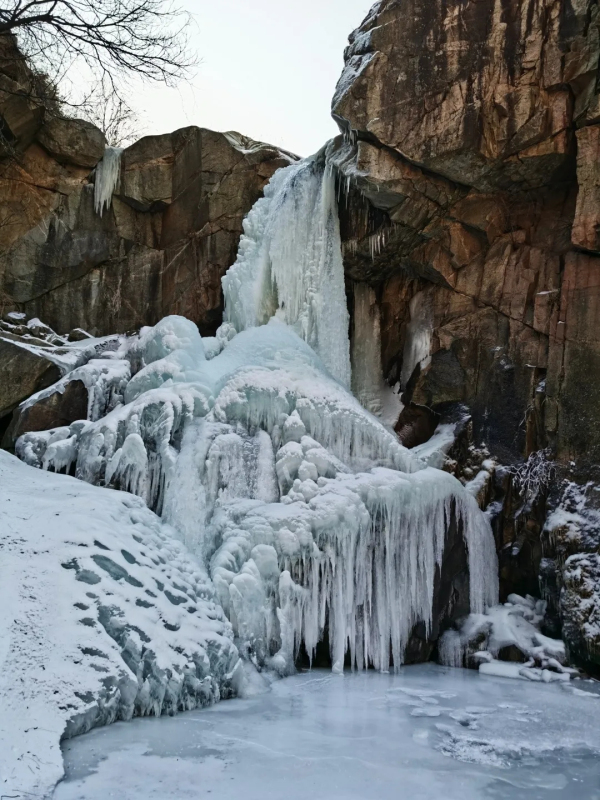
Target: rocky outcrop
column 162, row 247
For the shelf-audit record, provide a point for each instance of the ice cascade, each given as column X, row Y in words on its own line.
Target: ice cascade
column 290, row 264
column 108, row 173
column 311, row 517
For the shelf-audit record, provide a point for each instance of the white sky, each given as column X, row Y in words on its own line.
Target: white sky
column 268, row 69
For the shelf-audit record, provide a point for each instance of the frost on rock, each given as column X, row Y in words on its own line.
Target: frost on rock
column 507, row 641
column 106, row 182
column 310, row 515
column 105, row 616
column 572, row 534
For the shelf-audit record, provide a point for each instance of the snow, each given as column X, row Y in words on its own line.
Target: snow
column 104, row 615
column 108, row 173
column 426, row 733
column 516, row 624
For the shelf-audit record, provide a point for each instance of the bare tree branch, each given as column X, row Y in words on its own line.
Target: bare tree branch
column 112, row 38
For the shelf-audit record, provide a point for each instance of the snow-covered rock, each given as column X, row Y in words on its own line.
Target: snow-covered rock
column 105, row 615
column 507, row 641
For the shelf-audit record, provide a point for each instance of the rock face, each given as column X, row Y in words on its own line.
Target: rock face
column 471, row 143
column 475, row 142
column 169, row 236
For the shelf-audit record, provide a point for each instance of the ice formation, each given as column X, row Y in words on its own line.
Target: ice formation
column 367, row 376
column 516, row 625
column 417, row 347
column 108, row 173
column 310, row 515
column 290, row 264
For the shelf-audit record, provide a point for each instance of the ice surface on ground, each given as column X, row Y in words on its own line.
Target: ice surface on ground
column 308, row 510
column 105, row 614
column 515, row 624
column 290, row 264
column 426, row 733
column 106, row 182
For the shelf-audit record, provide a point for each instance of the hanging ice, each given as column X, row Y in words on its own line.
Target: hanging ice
column 108, row 172
column 309, row 513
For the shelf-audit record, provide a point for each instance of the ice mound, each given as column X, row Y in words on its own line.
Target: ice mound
column 308, row 512
column 105, row 615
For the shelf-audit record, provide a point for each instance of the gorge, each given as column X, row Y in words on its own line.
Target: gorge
column 377, row 445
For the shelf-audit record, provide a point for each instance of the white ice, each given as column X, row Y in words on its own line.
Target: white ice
column 426, row 733
column 290, row 264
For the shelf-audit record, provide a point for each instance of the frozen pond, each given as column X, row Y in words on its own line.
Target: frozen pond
column 429, row 732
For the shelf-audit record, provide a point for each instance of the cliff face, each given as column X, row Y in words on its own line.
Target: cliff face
column 163, row 246
column 476, row 137
column 471, row 141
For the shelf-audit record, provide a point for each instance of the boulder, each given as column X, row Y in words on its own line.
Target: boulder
column 25, row 369
column 72, row 141
column 55, row 410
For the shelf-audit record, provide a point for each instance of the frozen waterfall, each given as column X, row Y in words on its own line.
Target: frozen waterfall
column 290, row 264
column 310, row 515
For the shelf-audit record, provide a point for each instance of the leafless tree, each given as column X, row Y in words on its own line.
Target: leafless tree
column 111, row 113
column 106, row 41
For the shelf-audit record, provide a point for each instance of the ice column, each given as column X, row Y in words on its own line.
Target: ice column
column 367, row 382
column 417, row 348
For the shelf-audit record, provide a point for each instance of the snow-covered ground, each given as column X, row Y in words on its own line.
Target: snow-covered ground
column 426, row 733
column 104, row 613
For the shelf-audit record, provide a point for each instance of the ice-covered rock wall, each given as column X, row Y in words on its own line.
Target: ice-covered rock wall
column 310, row 515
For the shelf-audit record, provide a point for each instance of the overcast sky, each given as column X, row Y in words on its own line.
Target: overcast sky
column 268, row 69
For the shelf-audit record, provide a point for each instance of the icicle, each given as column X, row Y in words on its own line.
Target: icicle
column 367, row 377
column 451, row 649
column 108, row 173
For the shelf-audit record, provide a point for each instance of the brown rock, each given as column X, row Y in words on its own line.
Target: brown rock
column 54, row 411
column 24, row 370
column 586, row 225
column 162, row 247
column 72, row 141
column 478, row 92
